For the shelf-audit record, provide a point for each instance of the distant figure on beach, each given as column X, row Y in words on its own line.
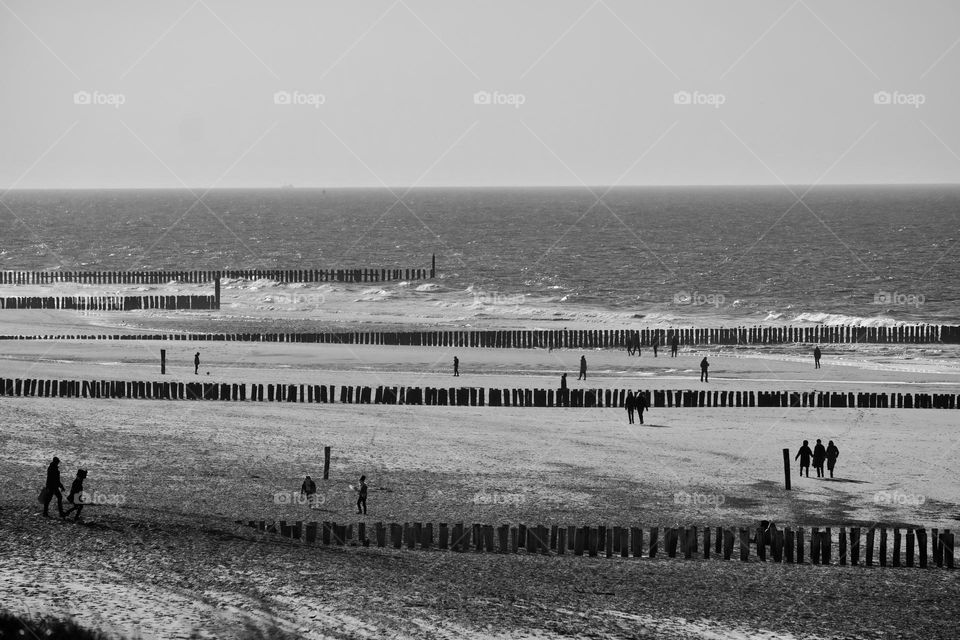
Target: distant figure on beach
column 832, row 454
column 655, row 341
column 196, row 363
column 640, row 400
column 816, row 357
column 564, row 393
column 583, row 368
column 819, row 455
column 674, row 346
column 456, row 366
column 362, row 497
column 309, row 489
column 704, row 375
column 630, row 404
column 76, row 491
column 53, row 488
column 804, row 454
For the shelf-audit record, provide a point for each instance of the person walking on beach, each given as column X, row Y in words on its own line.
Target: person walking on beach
column 456, row 366
column 804, row 454
column 583, row 368
column 75, row 496
column 640, row 400
column 309, row 489
column 196, row 363
column 53, row 488
column 704, row 375
column 655, row 341
column 832, row 454
column 564, row 393
column 816, row 357
column 819, row 455
column 362, row 497
column 630, row 404
column 674, row 346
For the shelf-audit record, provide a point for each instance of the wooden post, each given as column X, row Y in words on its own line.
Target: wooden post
column 163, row 362
column 593, row 541
column 937, row 548
column 706, row 543
column 871, row 539
column 896, row 546
column 608, row 548
column 654, row 533
column 883, row 546
column 922, row 545
column 786, row 469
column 636, row 541
column 911, row 543
column 788, row 543
column 326, row 463
column 744, row 544
column 826, row 546
column 799, row 545
column 561, row 541
column 854, row 546
column 727, row 543
column 624, row 542
column 815, row 545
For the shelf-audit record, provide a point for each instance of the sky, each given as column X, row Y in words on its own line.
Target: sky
column 422, row 93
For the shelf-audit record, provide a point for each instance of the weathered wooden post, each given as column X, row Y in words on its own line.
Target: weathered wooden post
column 910, row 546
column 326, row 463
column 922, row 545
column 896, row 546
column 163, row 362
column 744, row 544
column 216, row 293
column 854, row 546
column 883, row 546
column 786, row 469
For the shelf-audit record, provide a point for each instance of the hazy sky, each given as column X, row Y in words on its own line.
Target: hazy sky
column 380, row 92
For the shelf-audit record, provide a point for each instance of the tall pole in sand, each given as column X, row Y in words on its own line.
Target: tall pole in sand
column 163, row 362
column 326, row 463
column 216, row 293
column 786, row 468
column 433, row 266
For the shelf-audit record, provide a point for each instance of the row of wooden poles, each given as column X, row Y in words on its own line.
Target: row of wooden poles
column 465, row 396
column 770, row 543
column 205, row 276
column 567, row 338
column 110, row 302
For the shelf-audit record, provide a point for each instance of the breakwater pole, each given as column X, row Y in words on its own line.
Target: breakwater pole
column 110, row 303
column 368, row 274
column 769, row 543
column 526, row 338
column 467, row 396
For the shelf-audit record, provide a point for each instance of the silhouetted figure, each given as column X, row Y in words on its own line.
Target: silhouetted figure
column 309, row 489
column 456, row 366
column 583, row 368
column 674, row 346
column 75, row 497
column 655, row 348
column 196, row 363
column 816, row 357
column 54, row 487
column 832, row 454
column 362, row 497
column 804, row 454
column 704, row 375
column 564, row 392
column 641, row 404
column 819, row 455
column 630, row 404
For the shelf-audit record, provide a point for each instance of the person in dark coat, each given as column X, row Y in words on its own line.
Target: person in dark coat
column 54, row 487
column 819, row 455
column 655, row 345
column 583, row 368
column 196, row 363
column 564, row 392
column 641, row 404
column 832, row 454
column 75, row 497
column 362, row 497
column 456, row 366
column 816, row 357
column 804, row 454
column 630, row 405
column 704, row 375
column 674, row 346
column 309, row 489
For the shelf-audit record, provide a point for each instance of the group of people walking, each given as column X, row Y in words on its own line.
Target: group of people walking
column 53, row 487
column 635, row 402
column 309, row 489
column 819, row 455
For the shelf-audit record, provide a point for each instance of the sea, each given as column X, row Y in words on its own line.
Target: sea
column 858, row 255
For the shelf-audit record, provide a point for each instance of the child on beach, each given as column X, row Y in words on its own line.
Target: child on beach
column 362, row 496
column 75, row 497
column 309, row 489
column 629, row 404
